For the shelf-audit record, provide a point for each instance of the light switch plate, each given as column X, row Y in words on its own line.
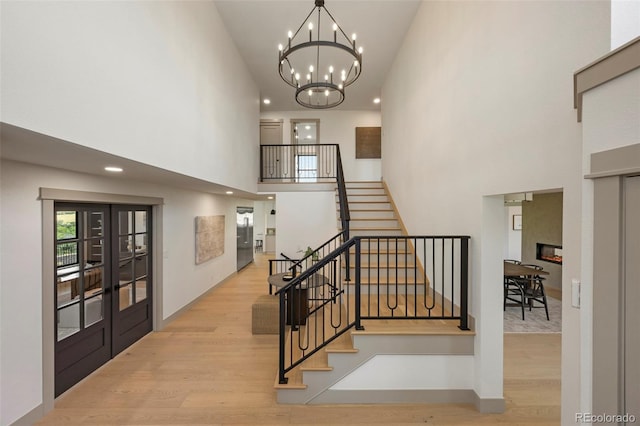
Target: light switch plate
column 575, row 293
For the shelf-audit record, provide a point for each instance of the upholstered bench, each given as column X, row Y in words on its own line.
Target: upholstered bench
column 264, row 315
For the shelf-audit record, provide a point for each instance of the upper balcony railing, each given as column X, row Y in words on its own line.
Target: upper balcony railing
column 301, row 163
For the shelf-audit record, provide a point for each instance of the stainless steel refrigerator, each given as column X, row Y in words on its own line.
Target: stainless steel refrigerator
column 244, row 223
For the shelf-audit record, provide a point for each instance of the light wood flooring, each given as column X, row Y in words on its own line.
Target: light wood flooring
column 206, row 368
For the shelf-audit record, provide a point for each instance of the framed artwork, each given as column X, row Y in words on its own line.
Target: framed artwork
column 517, row 222
column 368, row 142
column 209, row 237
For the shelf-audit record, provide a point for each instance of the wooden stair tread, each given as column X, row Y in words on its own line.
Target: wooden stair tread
column 369, row 210
column 319, row 360
column 381, row 228
column 374, row 219
column 368, row 202
column 413, row 328
column 288, row 385
column 342, row 351
column 327, row 368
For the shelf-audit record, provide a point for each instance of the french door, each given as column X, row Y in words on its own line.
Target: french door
column 131, row 270
column 103, row 285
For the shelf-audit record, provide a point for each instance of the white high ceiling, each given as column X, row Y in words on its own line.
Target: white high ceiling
column 258, row 26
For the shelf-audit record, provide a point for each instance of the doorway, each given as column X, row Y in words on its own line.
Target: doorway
column 103, row 285
column 305, row 135
column 244, row 234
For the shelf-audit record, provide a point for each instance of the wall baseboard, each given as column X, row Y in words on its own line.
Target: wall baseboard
column 31, row 417
column 395, row 396
column 410, row 396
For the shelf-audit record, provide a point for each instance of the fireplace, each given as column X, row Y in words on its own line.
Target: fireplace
column 549, row 253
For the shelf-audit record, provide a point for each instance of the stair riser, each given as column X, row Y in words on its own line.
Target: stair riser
column 393, row 289
column 390, row 258
column 371, row 205
column 374, row 232
column 384, row 223
column 388, row 214
column 367, row 198
column 365, row 191
column 383, row 244
column 386, row 273
column 376, row 184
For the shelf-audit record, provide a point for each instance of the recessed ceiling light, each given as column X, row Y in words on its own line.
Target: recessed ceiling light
column 309, row 137
column 376, row 101
column 229, row 192
column 267, row 101
column 269, row 198
column 113, row 169
column 307, row 127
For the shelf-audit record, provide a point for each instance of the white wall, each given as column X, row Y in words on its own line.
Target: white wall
column 513, row 242
column 479, row 102
column 160, row 82
column 625, row 21
column 610, row 119
column 338, row 127
column 304, row 219
column 21, row 272
column 410, row 372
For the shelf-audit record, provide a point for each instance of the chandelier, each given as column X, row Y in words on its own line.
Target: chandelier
column 322, row 66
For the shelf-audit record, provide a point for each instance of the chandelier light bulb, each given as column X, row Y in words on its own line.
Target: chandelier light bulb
column 335, row 27
column 340, row 86
column 356, row 64
column 290, row 34
column 360, row 50
column 310, row 68
column 280, row 47
column 310, row 26
column 353, row 36
column 310, row 92
column 330, row 69
column 326, row 93
column 326, row 77
column 297, row 76
column 292, row 71
column 308, row 76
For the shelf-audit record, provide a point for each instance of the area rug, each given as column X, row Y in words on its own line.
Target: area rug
column 535, row 321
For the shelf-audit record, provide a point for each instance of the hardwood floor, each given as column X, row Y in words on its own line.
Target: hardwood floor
column 206, row 368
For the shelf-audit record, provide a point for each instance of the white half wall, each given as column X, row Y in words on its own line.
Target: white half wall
column 479, row 102
column 393, row 372
column 610, row 119
column 159, row 82
column 304, row 219
column 21, row 350
column 338, row 127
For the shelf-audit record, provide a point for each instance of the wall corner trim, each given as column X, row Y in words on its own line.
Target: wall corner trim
column 618, row 62
column 96, row 197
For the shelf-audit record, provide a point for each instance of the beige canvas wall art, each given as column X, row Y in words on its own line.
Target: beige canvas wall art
column 209, row 237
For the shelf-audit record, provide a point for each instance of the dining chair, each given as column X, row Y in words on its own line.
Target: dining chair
column 514, row 291
column 534, row 291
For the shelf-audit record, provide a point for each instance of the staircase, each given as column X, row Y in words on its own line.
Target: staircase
column 334, row 373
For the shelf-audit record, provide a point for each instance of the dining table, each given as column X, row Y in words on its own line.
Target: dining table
column 513, row 270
